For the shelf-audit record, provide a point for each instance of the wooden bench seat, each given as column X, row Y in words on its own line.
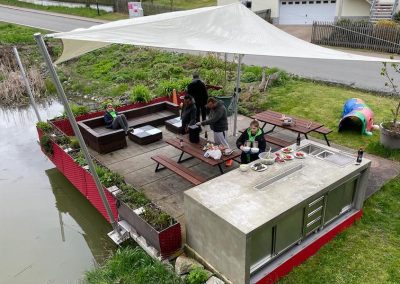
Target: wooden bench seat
column 179, row 169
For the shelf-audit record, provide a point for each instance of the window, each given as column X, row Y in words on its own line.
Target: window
column 333, row 1
column 304, row 2
column 310, row 2
column 317, row 2
column 290, row 3
column 283, row 3
column 297, row 3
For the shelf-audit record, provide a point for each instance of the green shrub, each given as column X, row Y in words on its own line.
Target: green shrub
column 216, row 93
column 197, row 276
column 158, row 219
column 46, row 144
column 248, row 77
column 214, row 77
column 386, row 23
column 256, row 70
column 283, row 78
column 109, row 178
column 74, row 143
column 140, row 93
column 44, row 126
column 183, row 83
column 396, row 17
column 132, row 197
column 140, row 75
column 106, row 102
column 165, row 88
column 211, row 62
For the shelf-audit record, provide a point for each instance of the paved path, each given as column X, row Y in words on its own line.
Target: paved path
column 362, row 75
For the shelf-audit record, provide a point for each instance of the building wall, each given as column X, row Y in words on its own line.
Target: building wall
column 354, row 8
column 225, row 251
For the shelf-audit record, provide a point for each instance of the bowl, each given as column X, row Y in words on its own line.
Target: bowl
column 246, row 149
column 254, row 150
column 244, row 167
column 267, row 158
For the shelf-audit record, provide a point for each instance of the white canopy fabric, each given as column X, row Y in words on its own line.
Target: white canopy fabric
column 224, row 29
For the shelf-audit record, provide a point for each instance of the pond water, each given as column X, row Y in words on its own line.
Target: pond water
column 49, row 231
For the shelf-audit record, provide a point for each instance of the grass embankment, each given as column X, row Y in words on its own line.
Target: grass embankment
column 366, row 253
column 184, row 4
column 132, row 265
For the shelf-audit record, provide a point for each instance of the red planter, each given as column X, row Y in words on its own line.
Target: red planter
column 75, row 174
column 57, row 158
column 92, row 194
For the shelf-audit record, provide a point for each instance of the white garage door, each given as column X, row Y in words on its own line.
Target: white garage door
column 305, row 12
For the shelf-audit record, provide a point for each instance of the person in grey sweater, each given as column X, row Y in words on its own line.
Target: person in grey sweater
column 218, row 121
column 188, row 115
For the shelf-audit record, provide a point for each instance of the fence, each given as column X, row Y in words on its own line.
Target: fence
column 121, row 6
column 357, row 35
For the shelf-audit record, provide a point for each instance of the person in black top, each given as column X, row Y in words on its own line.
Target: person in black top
column 114, row 120
column 252, row 134
column 188, row 115
column 198, row 90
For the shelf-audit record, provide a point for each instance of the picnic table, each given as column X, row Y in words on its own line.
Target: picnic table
column 299, row 125
column 195, row 150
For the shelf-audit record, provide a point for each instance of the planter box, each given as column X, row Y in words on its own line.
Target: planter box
column 75, row 174
column 58, row 156
column 167, row 242
column 389, row 139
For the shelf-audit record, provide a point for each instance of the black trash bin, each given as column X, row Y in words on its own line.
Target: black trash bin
column 194, row 133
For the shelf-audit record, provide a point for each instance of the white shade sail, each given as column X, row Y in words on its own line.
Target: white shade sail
column 225, row 29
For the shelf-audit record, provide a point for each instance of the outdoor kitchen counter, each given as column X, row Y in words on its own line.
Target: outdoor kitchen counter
column 234, row 198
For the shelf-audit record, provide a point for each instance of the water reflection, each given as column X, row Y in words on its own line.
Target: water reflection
column 32, row 249
column 88, row 222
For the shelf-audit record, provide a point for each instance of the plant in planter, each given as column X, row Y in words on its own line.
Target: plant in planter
column 390, row 131
column 74, row 143
column 133, row 198
column 77, row 110
column 47, row 144
column 44, row 126
column 62, row 140
column 158, row 219
column 80, row 159
column 140, row 93
column 109, row 178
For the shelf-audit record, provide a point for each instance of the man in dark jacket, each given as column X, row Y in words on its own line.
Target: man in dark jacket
column 218, row 121
column 114, row 120
column 255, row 137
column 188, row 115
column 198, row 90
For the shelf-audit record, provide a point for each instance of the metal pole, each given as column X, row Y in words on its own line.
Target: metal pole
column 237, row 93
column 26, row 81
column 60, row 91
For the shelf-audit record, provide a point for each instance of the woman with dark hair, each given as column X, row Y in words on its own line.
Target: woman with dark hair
column 188, row 115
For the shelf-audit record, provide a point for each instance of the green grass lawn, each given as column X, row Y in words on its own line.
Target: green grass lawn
column 184, row 4
column 324, row 103
column 366, row 253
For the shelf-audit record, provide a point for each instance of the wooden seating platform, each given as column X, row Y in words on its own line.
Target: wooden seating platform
column 179, row 169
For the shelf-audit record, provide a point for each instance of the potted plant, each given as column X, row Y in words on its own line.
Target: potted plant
column 390, row 131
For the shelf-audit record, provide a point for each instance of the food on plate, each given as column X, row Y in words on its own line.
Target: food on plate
column 287, row 150
column 288, row 157
column 300, row 155
column 258, row 166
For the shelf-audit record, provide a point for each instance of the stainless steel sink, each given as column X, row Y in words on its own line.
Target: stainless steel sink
column 340, row 159
column 279, row 176
column 311, row 149
column 324, row 154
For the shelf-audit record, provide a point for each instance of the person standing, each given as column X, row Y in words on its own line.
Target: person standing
column 218, row 121
column 114, row 120
column 252, row 134
column 198, row 90
column 189, row 112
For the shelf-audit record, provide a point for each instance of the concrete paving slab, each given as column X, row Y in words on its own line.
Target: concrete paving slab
column 165, row 187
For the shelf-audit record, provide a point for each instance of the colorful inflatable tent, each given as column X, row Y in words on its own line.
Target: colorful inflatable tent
column 357, row 115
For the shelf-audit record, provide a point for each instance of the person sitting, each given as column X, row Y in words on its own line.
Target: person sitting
column 114, row 120
column 188, row 115
column 252, row 134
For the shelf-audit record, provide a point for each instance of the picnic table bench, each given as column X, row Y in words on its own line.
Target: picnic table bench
column 177, row 168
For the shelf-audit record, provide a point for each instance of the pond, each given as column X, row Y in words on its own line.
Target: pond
column 49, row 232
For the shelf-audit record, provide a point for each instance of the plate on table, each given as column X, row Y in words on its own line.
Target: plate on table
column 258, row 167
column 288, row 157
column 300, row 155
column 287, row 150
